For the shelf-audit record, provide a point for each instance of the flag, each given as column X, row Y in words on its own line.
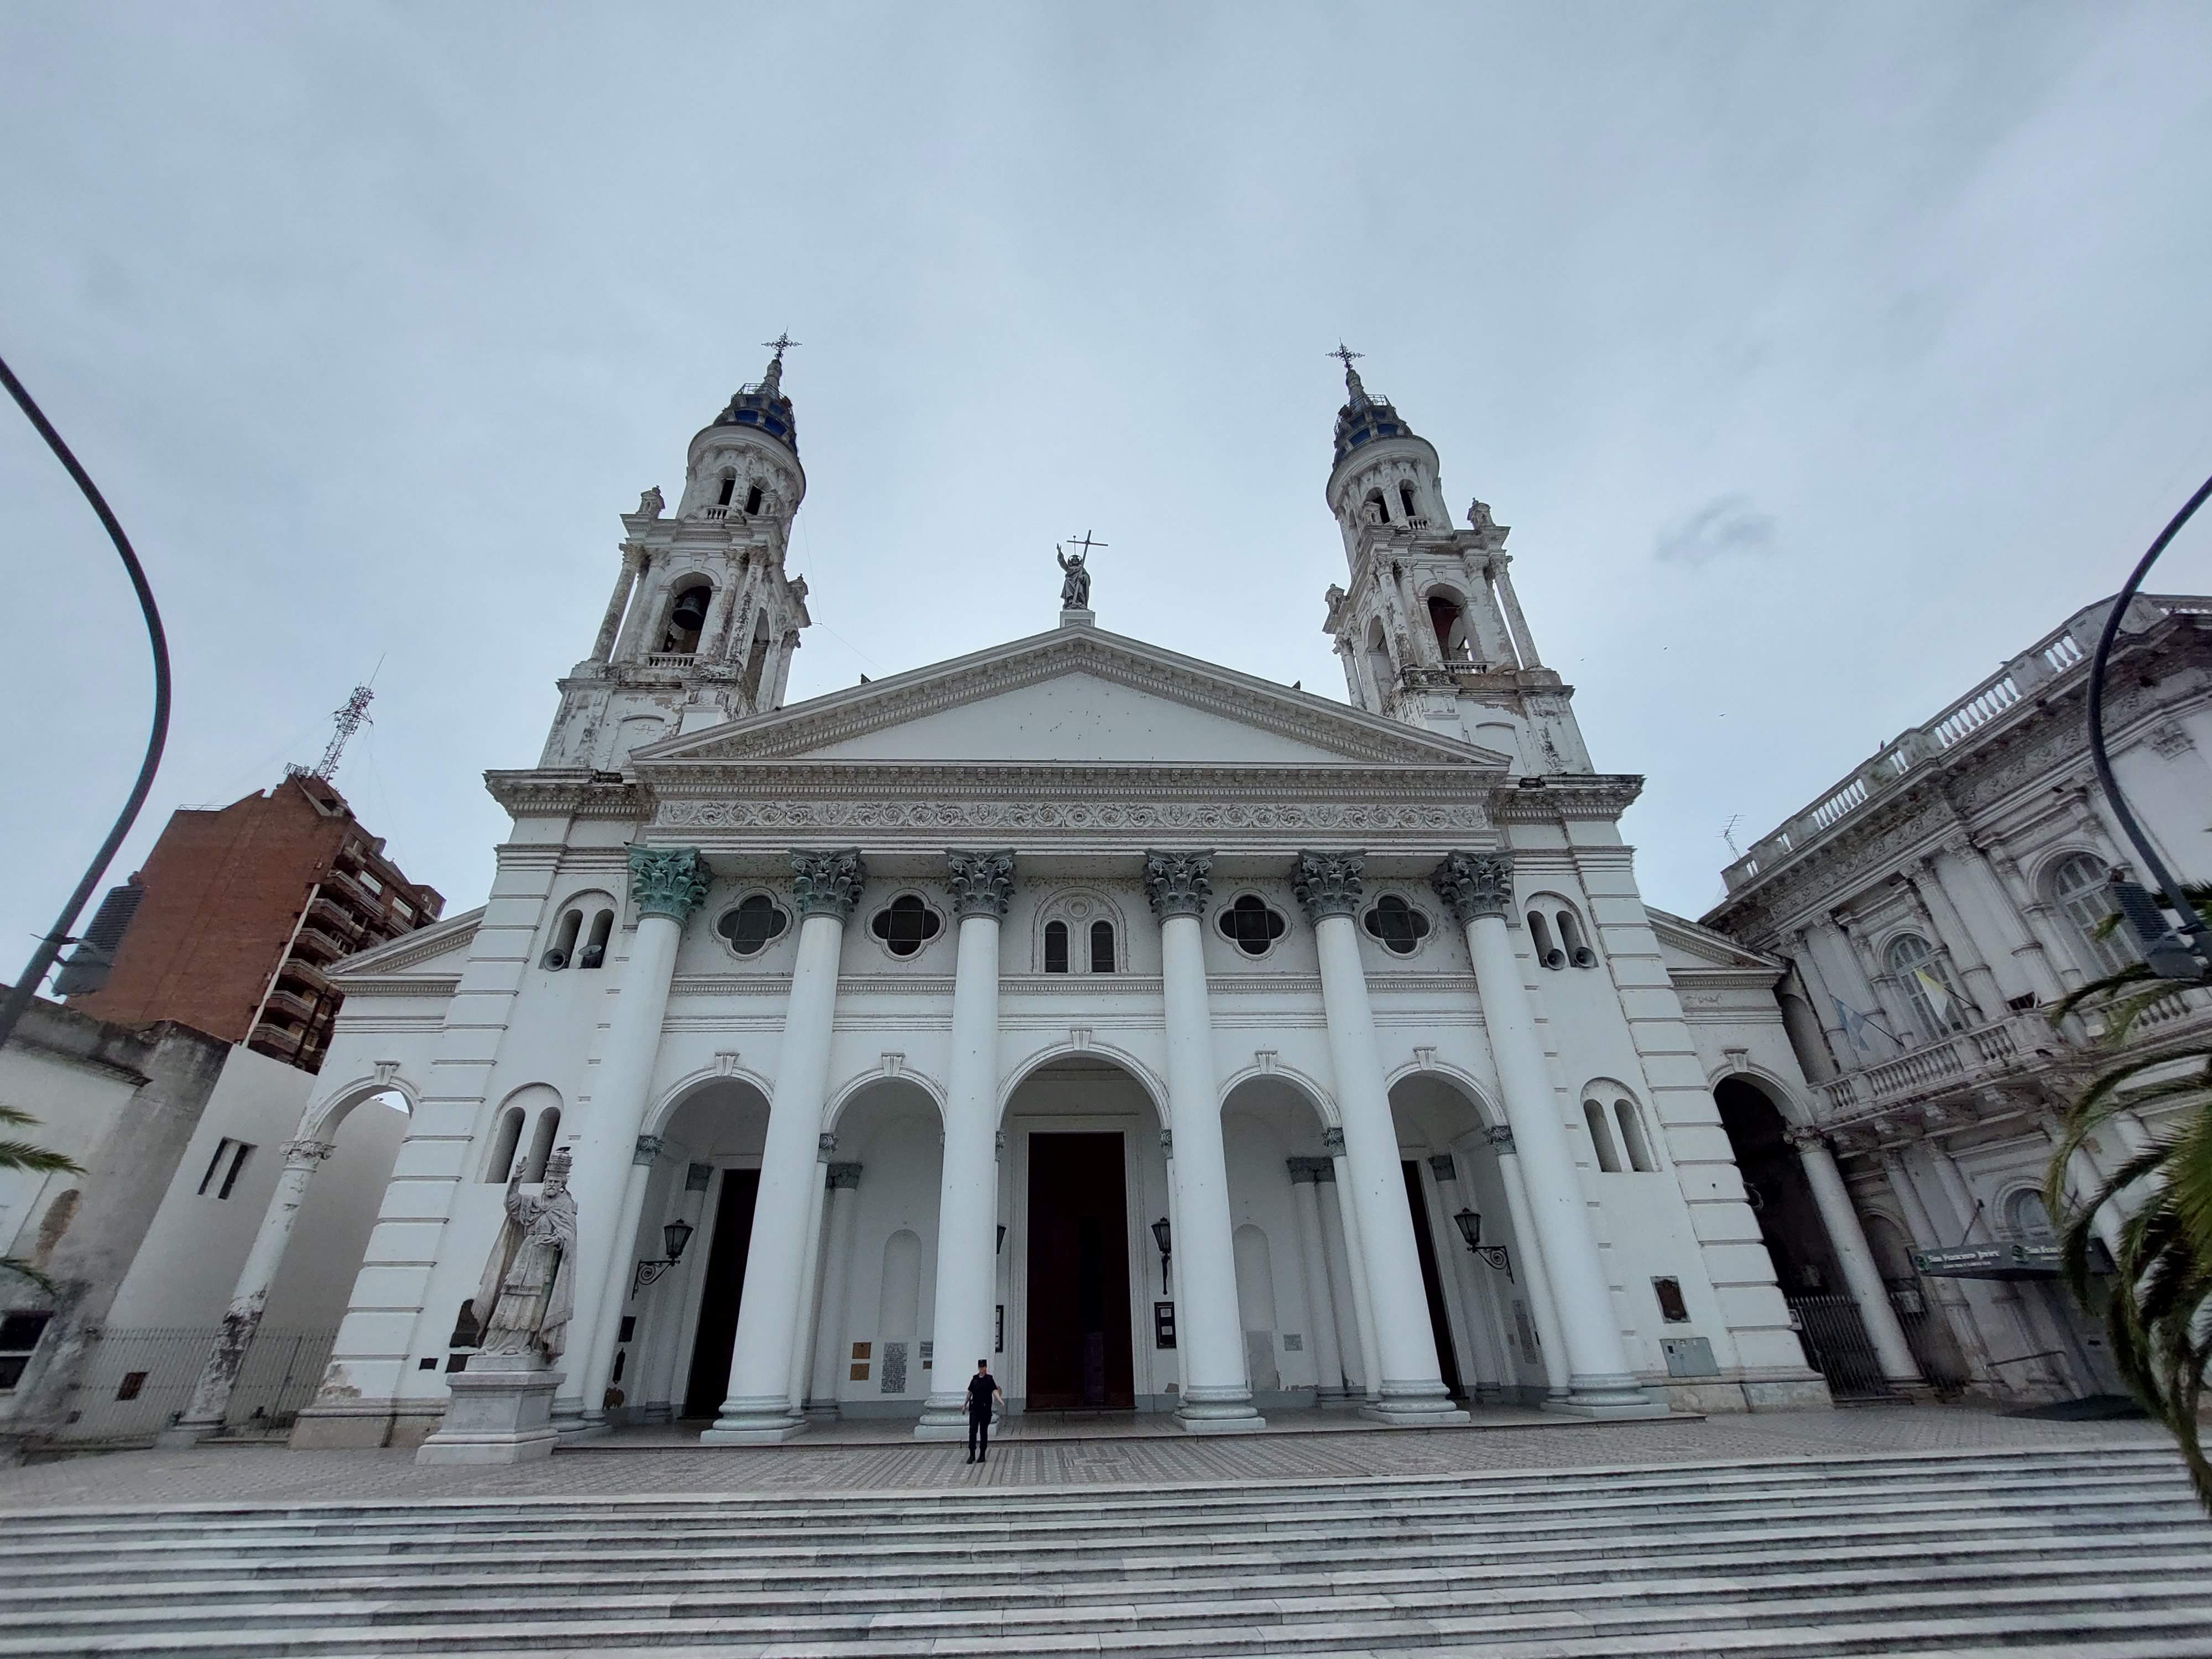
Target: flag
column 1938, row 998
column 1854, row 1023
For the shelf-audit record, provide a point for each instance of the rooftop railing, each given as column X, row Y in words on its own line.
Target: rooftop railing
column 2059, row 654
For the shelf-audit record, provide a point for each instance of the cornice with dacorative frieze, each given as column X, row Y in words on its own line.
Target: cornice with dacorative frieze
column 544, row 791
column 982, row 883
column 1562, row 796
column 906, row 805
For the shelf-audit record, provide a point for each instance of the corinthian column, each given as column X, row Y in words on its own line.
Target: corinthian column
column 666, row 885
column 968, row 1195
column 249, row 1298
column 1479, row 888
column 1413, row 1393
column 825, row 886
column 1216, row 1394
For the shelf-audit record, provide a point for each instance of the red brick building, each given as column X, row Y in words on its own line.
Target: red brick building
column 237, row 912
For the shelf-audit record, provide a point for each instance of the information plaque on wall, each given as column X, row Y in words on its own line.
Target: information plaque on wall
column 1164, row 1324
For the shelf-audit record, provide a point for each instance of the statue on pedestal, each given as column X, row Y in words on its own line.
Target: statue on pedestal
column 1075, row 589
column 528, row 1294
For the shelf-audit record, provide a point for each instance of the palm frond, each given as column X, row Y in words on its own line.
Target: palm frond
column 37, row 1160
column 14, row 1264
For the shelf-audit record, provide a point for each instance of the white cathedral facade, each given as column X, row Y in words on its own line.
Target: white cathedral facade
column 1179, row 1042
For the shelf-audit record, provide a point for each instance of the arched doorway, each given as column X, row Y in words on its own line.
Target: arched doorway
column 872, row 1302
column 1297, row 1303
column 675, row 1335
column 1083, row 1180
column 1482, row 1307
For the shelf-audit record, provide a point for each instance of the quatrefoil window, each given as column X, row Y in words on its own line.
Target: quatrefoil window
column 1399, row 926
column 753, row 925
column 1251, row 924
column 905, row 925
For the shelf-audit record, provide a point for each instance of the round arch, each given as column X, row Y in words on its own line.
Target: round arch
column 1153, row 1086
column 863, row 1083
column 322, row 1121
column 656, row 1120
column 1785, row 1100
column 1323, row 1105
column 1458, row 1077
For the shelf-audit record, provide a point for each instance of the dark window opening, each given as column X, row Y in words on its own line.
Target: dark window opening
column 594, row 955
column 1373, row 509
column 229, row 1159
column 1405, row 499
column 687, row 619
column 1055, row 947
column 753, row 499
column 1672, row 1307
column 19, row 1336
column 729, row 488
column 1101, row 947
column 131, row 1386
column 755, row 925
column 1399, row 926
column 905, row 925
column 1251, row 924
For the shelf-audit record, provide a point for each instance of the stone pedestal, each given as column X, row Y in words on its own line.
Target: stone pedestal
column 501, row 1412
column 1071, row 617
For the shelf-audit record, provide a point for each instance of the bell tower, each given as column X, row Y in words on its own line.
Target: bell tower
column 1428, row 627
column 703, row 620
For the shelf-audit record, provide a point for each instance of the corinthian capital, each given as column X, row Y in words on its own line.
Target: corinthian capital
column 827, row 884
column 1328, row 884
column 1178, row 884
column 982, row 883
column 667, row 881
column 1475, row 884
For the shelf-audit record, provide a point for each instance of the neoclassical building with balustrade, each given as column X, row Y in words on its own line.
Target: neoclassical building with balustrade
column 1934, row 907
column 1178, row 1041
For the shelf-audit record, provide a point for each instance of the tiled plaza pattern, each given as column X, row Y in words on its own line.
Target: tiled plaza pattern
column 273, row 1475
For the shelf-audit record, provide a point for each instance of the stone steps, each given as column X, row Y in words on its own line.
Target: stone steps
column 1965, row 1555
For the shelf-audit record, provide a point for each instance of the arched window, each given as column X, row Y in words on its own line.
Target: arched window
column 1102, row 946
column 729, row 488
column 756, row 922
column 1251, row 924
column 1055, row 947
column 1405, row 499
column 541, row 1142
column 506, row 1136
column 687, row 616
column 1399, row 926
column 1632, row 1140
column 562, row 951
column 1540, row 935
column 1601, row 1134
column 2027, row 1216
column 2079, row 887
column 594, row 953
column 753, row 499
column 1372, row 508
column 1449, row 621
column 1920, row 974
column 905, row 925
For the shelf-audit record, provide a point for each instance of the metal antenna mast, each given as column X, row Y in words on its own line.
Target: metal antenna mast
column 350, row 718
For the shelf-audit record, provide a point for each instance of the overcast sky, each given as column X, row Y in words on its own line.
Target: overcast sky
column 1821, row 357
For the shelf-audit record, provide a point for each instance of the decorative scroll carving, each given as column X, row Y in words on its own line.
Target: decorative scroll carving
column 1332, row 1141
column 1178, row 884
column 827, row 884
column 667, row 881
column 982, row 883
column 1501, row 1140
column 844, row 1175
column 1328, row 884
column 1475, row 884
column 649, row 1148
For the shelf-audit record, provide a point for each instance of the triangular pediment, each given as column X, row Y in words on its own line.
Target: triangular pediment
column 1687, row 947
column 1074, row 696
column 440, row 948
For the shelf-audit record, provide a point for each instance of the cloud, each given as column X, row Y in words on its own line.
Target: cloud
column 1727, row 526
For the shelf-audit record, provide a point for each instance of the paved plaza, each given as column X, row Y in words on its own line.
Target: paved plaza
column 1042, row 1456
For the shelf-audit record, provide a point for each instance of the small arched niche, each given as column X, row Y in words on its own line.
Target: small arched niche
column 687, row 618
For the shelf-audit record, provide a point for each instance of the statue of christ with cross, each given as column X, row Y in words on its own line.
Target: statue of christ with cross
column 1075, row 585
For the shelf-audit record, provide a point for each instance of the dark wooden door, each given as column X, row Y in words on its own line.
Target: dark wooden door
column 1078, row 1294
column 1432, row 1279
column 719, row 1297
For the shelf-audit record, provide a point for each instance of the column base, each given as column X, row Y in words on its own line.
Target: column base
column 1610, row 1398
column 1230, row 1412
column 763, row 1422
column 1414, row 1406
column 943, row 1418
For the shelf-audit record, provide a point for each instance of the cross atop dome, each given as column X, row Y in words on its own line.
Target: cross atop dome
column 1350, row 374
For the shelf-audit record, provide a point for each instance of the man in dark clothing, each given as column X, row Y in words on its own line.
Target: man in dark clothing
column 982, row 1390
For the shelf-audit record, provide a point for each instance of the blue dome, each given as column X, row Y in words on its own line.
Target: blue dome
column 1363, row 419
column 765, row 408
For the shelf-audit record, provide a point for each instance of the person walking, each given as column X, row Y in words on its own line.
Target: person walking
column 982, row 1390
